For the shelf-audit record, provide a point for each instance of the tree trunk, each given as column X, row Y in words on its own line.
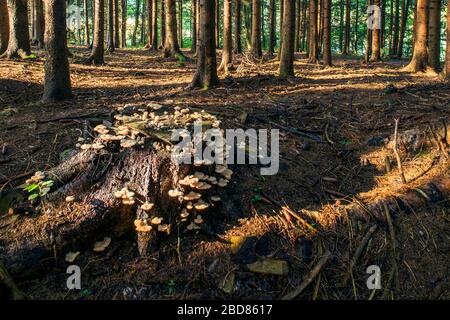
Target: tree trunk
column 194, row 25
column 136, row 23
column 272, row 23
column 57, row 74
column 434, row 34
column 405, row 12
column 298, row 23
column 288, row 39
column 446, row 71
column 171, row 48
column 419, row 60
column 341, row 25
column 154, row 44
column 227, row 53
column 383, row 23
column 143, row 21
column 281, row 28
column 149, row 24
column 40, row 23
column 327, row 60
column 97, row 55
column 116, row 24
column 110, row 39
column 4, row 26
column 391, row 27
column 217, row 24
column 304, row 25
column 355, row 45
column 368, row 39
column 347, row 28
column 256, row 29
column 206, row 73
column 376, row 36
column 124, row 24
column 237, row 27
column 180, row 23
column 313, row 49
column 395, row 36
column 19, row 37
column 162, row 24
column 87, row 37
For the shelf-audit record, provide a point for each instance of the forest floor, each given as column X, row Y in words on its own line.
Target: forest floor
column 350, row 107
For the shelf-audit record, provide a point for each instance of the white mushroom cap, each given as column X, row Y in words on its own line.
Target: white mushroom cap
column 147, row 206
column 175, row 193
column 203, row 186
column 157, row 220
column 198, row 219
column 201, row 205
column 70, row 199
column 220, row 168
column 192, row 196
column 199, row 175
column 215, row 198
column 127, row 143
column 164, row 228
column 184, row 213
column 142, row 226
column 85, row 146
column 189, row 205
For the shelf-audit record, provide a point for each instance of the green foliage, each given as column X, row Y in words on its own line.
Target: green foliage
column 37, row 189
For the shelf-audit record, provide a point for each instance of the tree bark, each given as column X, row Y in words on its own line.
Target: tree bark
column 341, row 25
column 40, row 22
column 237, row 27
column 256, row 50
column 116, row 24
column 281, row 28
column 180, row 23
column 97, row 55
column 217, row 25
column 446, row 70
column 288, row 39
column 227, row 53
column 313, row 49
column 136, row 23
column 194, row 25
column 355, row 44
column 172, row 48
column 19, row 37
column 154, row 44
column 206, row 73
column 401, row 37
column 272, row 23
column 149, row 24
column 123, row 30
column 327, row 59
column 304, row 25
column 87, row 38
column 376, row 36
column 57, row 73
column 395, row 36
column 298, row 23
column 4, row 26
column 419, row 60
column 368, row 39
column 110, row 40
column 162, row 23
column 346, row 49
column 434, row 35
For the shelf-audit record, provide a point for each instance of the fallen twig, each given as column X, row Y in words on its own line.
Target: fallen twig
column 309, row 277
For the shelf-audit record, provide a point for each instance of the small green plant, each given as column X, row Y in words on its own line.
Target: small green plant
column 37, row 186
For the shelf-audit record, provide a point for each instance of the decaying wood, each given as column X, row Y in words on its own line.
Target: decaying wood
column 7, row 283
column 309, row 277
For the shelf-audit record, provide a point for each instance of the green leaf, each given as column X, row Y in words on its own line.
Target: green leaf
column 47, row 183
column 44, row 191
column 31, row 187
column 33, row 196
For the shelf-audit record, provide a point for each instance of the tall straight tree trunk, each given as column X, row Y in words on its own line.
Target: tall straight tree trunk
column 396, row 27
column 136, row 23
column 149, row 24
column 227, row 53
column 4, row 26
column 110, row 40
column 272, row 22
column 313, row 49
column 206, row 73
column 320, row 25
column 401, row 37
column 57, row 73
column 39, row 22
column 341, row 25
column 116, row 24
column 171, row 47
column 281, row 28
column 287, row 38
column 327, row 60
column 304, row 25
column 194, row 25
column 87, row 38
column 180, row 23
column 124, row 24
column 355, row 45
column 97, row 54
column 19, row 37
column 383, row 23
column 368, row 38
column 256, row 29
column 162, row 24
column 391, row 27
column 376, row 35
column 298, row 23
column 347, row 28
column 446, row 70
column 237, row 27
column 217, row 24
column 154, row 44
column 434, row 34
column 419, row 59
column 143, row 21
